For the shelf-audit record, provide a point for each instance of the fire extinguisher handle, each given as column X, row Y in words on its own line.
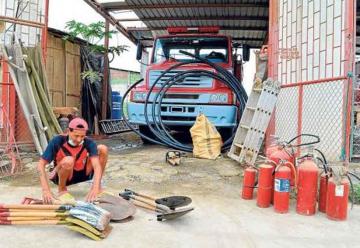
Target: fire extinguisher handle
column 292, row 167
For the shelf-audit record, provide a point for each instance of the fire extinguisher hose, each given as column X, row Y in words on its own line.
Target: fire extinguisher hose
column 304, row 144
column 352, row 191
column 325, row 163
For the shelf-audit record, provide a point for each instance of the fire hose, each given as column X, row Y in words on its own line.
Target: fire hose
column 155, row 123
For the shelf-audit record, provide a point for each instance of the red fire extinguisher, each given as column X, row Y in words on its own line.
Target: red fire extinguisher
column 265, row 182
column 337, row 198
column 274, row 145
column 285, row 154
column 286, row 151
column 323, row 192
column 307, row 187
column 282, row 188
column 323, row 183
column 248, row 183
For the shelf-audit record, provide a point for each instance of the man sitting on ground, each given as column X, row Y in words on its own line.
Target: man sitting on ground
column 76, row 158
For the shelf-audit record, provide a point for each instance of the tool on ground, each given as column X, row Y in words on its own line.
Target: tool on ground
column 17, row 218
column 86, row 214
column 119, row 208
column 163, row 212
column 173, row 157
column 78, row 228
column 254, row 122
column 88, row 230
column 30, row 200
column 171, row 202
column 174, row 214
column 35, row 207
column 34, row 214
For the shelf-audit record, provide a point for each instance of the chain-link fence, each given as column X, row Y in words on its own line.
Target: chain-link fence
column 355, row 149
column 314, row 109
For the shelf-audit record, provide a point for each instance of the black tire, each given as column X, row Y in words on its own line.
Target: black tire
column 225, row 133
column 147, row 132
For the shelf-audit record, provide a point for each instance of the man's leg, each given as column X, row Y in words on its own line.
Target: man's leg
column 103, row 157
column 65, row 172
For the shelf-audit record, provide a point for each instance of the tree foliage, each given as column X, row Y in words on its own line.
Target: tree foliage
column 93, row 34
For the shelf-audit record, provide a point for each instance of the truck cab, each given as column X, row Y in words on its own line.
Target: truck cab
column 196, row 94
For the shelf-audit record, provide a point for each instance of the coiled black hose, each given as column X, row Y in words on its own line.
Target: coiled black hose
column 156, row 124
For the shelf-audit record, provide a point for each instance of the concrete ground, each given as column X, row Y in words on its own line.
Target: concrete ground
column 220, row 219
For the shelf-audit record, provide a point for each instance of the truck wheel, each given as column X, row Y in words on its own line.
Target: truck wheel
column 147, row 132
column 225, row 133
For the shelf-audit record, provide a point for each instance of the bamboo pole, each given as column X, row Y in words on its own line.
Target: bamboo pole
column 43, row 96
column 48, row 129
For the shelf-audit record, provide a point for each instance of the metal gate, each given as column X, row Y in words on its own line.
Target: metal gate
column 311, row 46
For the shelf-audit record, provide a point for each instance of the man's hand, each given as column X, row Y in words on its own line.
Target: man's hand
column 92, row 195
column 47, row 197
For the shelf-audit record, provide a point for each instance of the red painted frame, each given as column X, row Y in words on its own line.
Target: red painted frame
column 348, row 67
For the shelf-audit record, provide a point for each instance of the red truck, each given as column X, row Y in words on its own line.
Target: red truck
column 195, row 94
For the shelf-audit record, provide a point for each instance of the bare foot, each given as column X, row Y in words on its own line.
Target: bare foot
column 62, row 191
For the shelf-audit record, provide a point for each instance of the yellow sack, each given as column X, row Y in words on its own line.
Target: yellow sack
column 206, row 139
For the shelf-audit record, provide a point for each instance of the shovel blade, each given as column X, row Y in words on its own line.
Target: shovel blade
column 174, row 202
column 174, row 214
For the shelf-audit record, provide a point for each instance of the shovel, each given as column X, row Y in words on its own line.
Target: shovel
column 171, row 202
column 119, row 208
column 164, row 213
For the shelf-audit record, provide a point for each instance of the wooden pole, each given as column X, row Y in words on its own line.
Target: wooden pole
column 106, row 74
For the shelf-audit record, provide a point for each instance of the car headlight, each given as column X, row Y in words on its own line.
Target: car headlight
column 218, row 98
column 214, row 98
column 139, row 96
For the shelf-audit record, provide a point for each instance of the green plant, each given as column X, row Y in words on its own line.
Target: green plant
column 91, row 75
column 356, row 193
column 93, row 34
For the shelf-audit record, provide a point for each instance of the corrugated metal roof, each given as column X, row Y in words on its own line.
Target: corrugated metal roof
column 245, row 20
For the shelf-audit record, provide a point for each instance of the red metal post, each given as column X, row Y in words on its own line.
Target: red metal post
column 273, row 56
column 8, row 98
column 349, row 67
column 300, row 110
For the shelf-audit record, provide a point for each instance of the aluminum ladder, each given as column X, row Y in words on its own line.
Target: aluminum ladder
column 250, row 133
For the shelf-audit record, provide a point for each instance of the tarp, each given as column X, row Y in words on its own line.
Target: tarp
column 92, row 92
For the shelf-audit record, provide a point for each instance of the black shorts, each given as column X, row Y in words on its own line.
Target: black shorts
column 78, row 177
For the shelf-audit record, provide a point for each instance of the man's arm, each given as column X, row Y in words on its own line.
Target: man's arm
column 96, row 186
column 44, row 181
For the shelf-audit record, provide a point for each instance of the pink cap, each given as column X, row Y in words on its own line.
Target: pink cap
column 78, row 124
